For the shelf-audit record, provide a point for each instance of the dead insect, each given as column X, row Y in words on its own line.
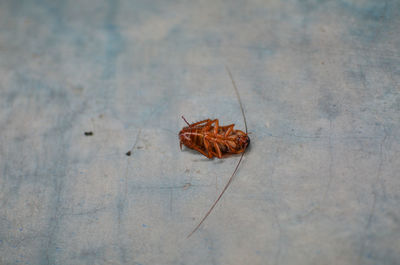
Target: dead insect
column 210, row 139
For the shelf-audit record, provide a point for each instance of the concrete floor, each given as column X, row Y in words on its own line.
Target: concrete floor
column 319, row 81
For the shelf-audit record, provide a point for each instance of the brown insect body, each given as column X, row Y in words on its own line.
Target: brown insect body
column 210, row 139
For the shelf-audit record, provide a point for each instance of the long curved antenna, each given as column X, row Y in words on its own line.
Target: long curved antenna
column 238, row 96
column 236, row 168
column 219, row 197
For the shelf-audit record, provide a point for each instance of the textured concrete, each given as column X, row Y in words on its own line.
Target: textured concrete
column 319, row 82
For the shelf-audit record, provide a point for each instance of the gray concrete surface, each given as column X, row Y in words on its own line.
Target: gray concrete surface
column 319, row 82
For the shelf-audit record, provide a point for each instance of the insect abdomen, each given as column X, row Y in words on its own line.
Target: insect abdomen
column 192, row 138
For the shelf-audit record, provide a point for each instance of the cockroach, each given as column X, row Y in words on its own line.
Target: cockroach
column 212, row 140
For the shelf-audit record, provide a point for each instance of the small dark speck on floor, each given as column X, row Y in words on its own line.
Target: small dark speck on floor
column 88, row 133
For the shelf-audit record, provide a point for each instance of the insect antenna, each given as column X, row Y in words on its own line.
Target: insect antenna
column 187, row 121
column 238, row 96
column 237, row 165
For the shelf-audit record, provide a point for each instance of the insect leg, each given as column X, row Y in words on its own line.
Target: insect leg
column 230, row 129
column 208, row 125
column 232, row 137
column 200, row 122
column 216, row 126
column 239, row 132
column 230, row 149
column 208, row 148
column 208, row 155
column 219, row 154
